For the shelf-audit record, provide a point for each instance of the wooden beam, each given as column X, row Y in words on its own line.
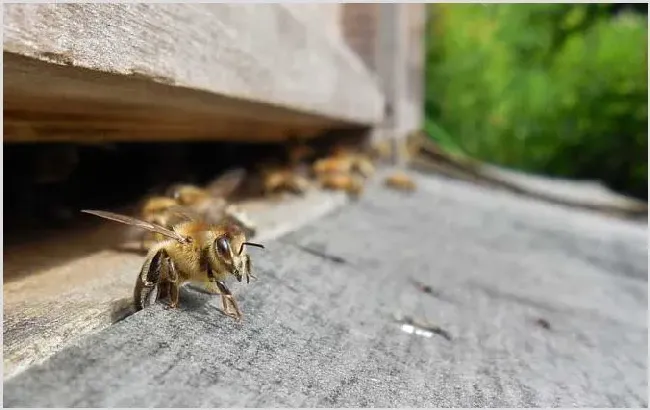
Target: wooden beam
column 47, row 102
column 141, row 72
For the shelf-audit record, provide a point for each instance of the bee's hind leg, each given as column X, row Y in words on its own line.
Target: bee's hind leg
column 150, row 277
column 249, row 268
column 173, row 284
column 158, row 271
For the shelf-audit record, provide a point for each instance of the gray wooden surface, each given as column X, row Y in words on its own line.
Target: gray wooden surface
column 66, row 287
column 321, row 331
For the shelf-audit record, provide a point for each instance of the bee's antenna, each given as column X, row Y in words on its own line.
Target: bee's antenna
column 241, row 249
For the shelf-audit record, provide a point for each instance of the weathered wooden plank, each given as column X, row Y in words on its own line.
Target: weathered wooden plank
column 194, row 70
column 58, row 290
column 486, row 266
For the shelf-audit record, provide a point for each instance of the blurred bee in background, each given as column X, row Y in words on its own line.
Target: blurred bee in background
column 288, row 173
column 278, row 178
column 192, row 251
column 351, row 184
column 343, row 161
column 211, row 201
column 345, row 169
column 156, row 210
column 400, row 181
column 359, row 163
column 209, row 204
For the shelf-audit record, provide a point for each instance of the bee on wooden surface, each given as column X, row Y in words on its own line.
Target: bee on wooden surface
column 359, row 162
column 156, row 210
column 400, row 181
column 290, row 173
column 159, row 210
column 342, row 182
column 277, row 179
column 192, row 251
column 211, row 201
column 208, row 203
column 344, row 170
column 331, row 165
column 343, row 162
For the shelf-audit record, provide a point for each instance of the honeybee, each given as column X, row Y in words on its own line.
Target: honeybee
column 211, row 201
column 344, row 161
column 400, row 181
column 358, row 162
column 158, row 210
column 344, row 170
column 208, row 203
column 342, row 182
column 277, row 179
column 288, row 174
column 330, row 165
column 165, row 212
column 193, row 251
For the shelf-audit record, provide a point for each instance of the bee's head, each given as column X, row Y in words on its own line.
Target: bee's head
column 229, row 254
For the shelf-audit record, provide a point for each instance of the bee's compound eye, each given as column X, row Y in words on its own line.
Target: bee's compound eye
column 223, row 246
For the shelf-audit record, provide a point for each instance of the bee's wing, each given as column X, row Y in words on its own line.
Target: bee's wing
column 227, row 182
column 138, row 223
column 180, row 213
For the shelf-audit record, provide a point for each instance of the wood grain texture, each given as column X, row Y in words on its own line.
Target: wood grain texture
column 158, row 71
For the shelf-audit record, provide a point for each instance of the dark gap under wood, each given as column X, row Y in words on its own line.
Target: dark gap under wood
column 46, row 184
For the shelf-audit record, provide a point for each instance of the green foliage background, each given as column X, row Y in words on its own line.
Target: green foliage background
column 559, row 89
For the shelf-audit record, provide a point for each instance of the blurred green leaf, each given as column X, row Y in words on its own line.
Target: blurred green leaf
column 550, row 88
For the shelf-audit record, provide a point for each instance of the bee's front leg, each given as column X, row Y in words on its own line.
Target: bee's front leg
column 226, row 295
column 219, row 288
column 249, row 269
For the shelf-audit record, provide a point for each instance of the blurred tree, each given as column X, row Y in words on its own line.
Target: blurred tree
column 551, row 88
